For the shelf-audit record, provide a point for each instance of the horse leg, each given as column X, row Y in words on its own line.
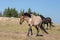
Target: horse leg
column 42, row 28
column 28, row 32
column 50, row 24
column 37, row 30
column 47, row 26
column 30, row 29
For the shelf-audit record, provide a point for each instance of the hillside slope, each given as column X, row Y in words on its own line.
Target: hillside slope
column 10, row 29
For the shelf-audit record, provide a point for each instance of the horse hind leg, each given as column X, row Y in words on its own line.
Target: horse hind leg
column 42, row 28
column 37, row 31
column 50, row 24
column 47, row 26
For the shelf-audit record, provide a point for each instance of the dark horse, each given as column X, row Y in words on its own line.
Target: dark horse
column 47, row 21
column 33, row 21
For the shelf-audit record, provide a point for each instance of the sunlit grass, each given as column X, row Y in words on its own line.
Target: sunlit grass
column 11, row 30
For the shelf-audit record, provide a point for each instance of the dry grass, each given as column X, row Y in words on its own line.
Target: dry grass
column 10, row 29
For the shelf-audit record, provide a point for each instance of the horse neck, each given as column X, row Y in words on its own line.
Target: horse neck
column 33, row 16
column 27, row 19
column 42, row 17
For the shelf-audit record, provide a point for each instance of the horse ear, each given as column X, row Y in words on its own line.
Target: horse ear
column 21, row 15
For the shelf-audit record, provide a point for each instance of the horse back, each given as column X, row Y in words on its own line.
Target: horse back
column 37, row 20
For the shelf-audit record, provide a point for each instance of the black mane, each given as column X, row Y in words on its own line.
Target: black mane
column 42, row 17
column 27, row 14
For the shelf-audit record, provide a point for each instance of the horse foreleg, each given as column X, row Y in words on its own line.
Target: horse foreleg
column 37, row 31
column 30, row 29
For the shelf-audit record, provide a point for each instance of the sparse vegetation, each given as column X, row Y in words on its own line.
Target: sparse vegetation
column 10, row 29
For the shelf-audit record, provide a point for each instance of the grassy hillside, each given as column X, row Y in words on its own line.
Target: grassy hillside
column 10, row 29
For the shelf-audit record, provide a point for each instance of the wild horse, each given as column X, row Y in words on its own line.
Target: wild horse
column 47, row 21
column 33, row 21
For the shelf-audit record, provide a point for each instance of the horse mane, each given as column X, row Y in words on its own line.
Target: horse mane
column 48, row 17
column 27, row 14
column 32, row 15
column 42, row 17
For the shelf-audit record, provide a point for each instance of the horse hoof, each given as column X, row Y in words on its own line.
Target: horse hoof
column 32, row 34
column 28, row 35
column 39, row 35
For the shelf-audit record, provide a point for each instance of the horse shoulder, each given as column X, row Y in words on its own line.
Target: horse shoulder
column 30, row 21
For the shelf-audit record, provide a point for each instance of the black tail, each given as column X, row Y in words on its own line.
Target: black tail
column 42, row 28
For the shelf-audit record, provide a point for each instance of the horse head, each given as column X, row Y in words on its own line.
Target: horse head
column 21, row 18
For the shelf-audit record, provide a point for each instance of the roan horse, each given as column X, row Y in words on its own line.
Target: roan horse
column 47, row 21
column 32, row 20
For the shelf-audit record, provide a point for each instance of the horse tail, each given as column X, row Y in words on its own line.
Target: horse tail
column 42, row 28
